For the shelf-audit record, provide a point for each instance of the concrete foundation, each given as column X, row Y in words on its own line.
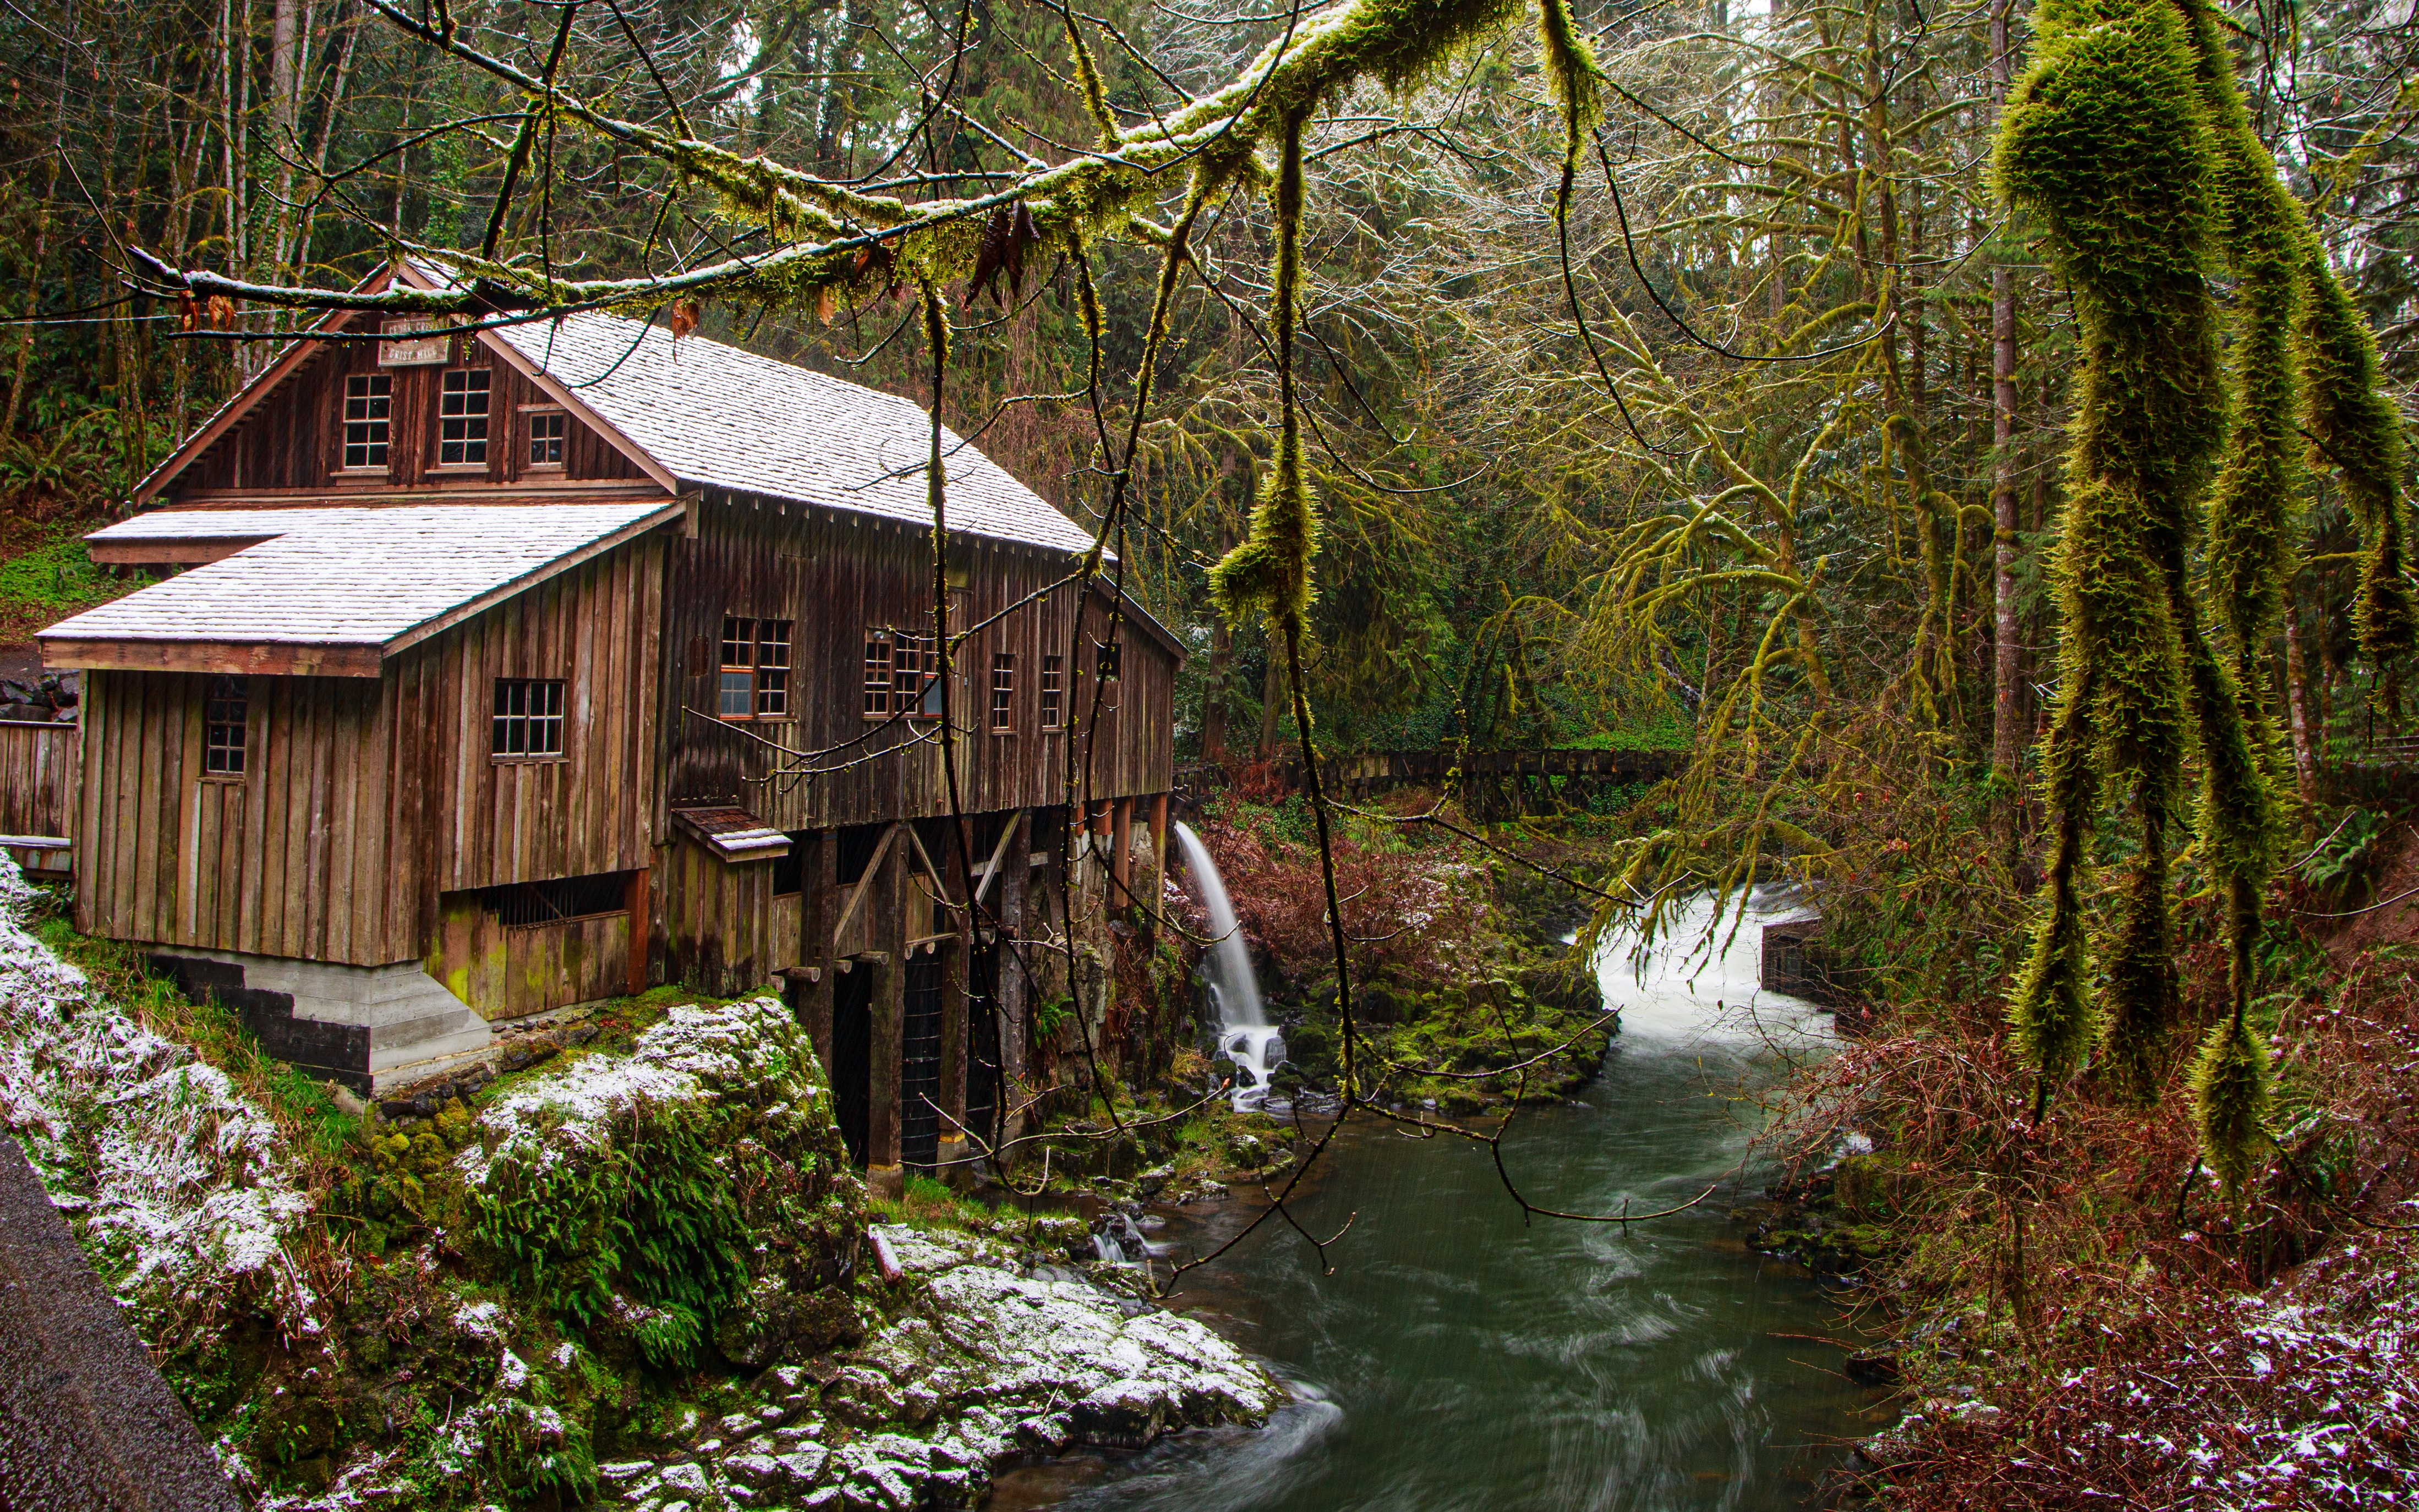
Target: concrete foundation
column 370, row 1027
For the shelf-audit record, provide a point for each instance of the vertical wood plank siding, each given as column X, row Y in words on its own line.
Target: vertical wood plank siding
column 835, row 576
column 37, row 780
column 295, row 437
column 364, row 799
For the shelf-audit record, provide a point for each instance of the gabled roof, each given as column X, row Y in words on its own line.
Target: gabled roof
column 718, row 416
column 335, row 592
column 697, row 411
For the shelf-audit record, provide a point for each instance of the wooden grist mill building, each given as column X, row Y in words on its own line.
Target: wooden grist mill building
column 509, row 671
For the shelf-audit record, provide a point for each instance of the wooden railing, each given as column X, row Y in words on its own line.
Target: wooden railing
column 37, row 795
column 1492, row 782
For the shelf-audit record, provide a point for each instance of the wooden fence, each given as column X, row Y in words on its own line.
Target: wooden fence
column 37, row 795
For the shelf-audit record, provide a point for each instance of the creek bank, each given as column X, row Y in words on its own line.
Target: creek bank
column 2141, row 1337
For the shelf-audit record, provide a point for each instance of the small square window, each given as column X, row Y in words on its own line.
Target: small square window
column 223, row 726
column 528, row 718
column 1003, row 691
column 462, row 417
column 754, row 682
column 545, row 431
column 369, row 402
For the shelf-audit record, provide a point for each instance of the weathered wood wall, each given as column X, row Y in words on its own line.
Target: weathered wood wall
column 295, row 436
column 37, row 780
column 491, row 819
column 366, row 800
column 296, row 857
column 835, row 577
column 718, row 918
column 509, row 971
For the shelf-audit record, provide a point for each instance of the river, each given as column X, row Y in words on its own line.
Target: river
column 1459, row 1358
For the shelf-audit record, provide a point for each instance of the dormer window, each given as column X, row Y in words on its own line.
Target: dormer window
column 369, row 403
column 462, row 417
column 546, row 437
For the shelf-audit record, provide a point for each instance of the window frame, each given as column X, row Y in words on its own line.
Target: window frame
column 908, row 656
column 768, row 685
column 530, row 415
column 1054, row 694
column 1003, row 693
column 375, row 388
column 875, row 693
column 500, row 718
column 223, row 689
column 484, row 418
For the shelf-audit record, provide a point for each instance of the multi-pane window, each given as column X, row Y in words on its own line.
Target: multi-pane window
column 755, row 668
column 900, row 676
column 1054, row 692
column 369, row 403
column 1003, row 691
column 529, row 717
column 878, row 674
column 546, row 438
column 223, row 726
column 918, row 691
column 462, row 417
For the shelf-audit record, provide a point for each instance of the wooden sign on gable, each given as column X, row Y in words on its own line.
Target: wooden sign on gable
column 414, row 341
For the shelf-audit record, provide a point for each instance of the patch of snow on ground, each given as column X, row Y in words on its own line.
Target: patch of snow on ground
column 187, row 1184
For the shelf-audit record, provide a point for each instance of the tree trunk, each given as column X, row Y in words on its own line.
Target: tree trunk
column 2006, row 671
column 2305, row 767
column 1273, row 697
column 1213, row 692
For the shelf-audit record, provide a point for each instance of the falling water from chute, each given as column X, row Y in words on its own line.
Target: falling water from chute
column 1245, row 1035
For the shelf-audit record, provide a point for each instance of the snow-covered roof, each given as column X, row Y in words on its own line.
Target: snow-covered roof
column 350, row 580
column 228, row 524
column 716, row 415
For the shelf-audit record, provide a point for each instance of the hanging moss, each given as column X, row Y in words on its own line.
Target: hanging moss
column 1268, row 574
column 2129, row 138
column 2102, row 138
column 2354, row 429
column 2230, row 1083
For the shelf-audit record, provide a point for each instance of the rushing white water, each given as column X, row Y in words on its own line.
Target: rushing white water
column 1696, row 987
column 1244, row 1035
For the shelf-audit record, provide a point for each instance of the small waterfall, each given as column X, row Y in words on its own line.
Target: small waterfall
column 1245, row 1035
column 1117, row 1239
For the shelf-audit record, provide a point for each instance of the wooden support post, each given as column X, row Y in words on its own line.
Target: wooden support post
column 1155, row 887
column 817, row 871
column 1011, row 962
column 1121, row 851
column 958, row 976
column 641, row 929
column 884, row 1175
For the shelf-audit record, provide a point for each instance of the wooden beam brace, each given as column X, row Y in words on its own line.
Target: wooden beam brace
column 929, row 869
column 864, row 883
column 998, row 855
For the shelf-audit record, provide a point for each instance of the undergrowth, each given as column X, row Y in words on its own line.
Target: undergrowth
column 2016, row 1261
